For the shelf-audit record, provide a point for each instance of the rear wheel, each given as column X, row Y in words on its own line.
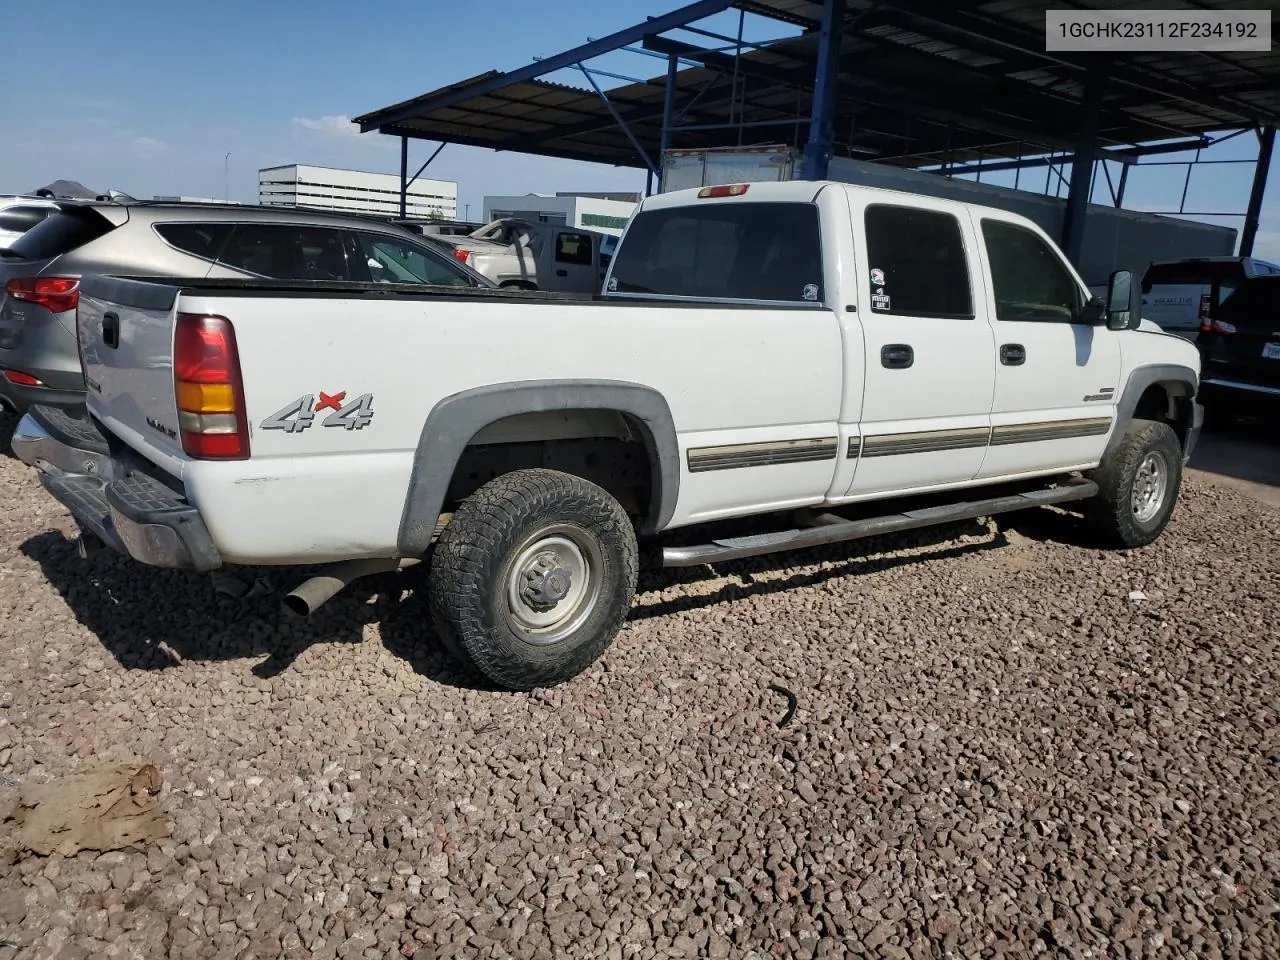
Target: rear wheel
column 1138, row 485
column 533, row 577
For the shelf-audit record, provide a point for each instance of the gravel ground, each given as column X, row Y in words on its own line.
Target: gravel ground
column 996, row 752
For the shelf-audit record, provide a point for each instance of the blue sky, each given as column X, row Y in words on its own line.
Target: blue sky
column 150, row 98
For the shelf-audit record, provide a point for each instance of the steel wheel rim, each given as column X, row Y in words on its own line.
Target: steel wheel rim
column 1150, row 486
column 533, row 604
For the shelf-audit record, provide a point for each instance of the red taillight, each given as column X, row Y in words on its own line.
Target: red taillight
column 57, row 294
column 724, row 190
column 208, row 388
column 1220, row 326
column 22, row 379
column 1205, row 302
column 463, row 255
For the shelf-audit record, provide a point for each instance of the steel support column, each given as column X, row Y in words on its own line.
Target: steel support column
column 1082, row 163
column 404, row 175
column 1266, row 147
column 826, row 92
column 668, row 104
column 1124, row 179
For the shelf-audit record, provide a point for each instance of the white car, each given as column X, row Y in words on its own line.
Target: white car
column 786, row 351
column 20, row 214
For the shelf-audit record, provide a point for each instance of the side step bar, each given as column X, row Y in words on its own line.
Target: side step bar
column 831, row 529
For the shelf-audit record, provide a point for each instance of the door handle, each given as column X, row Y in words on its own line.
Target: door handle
column 1013, row 354
column 111, row 329
column 562, row 273
column 897, row 356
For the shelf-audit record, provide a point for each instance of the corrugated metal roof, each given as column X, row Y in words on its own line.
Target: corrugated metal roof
column 919, row 80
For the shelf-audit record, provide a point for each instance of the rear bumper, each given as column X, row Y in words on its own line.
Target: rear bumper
column 125, row 507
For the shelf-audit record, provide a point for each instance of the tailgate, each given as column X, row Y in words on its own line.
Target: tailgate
column 125, row 332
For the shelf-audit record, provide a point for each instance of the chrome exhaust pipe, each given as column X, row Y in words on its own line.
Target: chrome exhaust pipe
column 312, row 593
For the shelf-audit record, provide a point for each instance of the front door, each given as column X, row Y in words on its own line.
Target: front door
column 929, row 350
column 1057, row 377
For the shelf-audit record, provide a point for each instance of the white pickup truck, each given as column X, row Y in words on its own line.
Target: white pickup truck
column 831, row 360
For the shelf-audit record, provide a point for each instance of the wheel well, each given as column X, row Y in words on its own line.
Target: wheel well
column 606, row 447
column 1168, row 402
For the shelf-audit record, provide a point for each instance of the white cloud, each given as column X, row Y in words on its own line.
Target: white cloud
column 147, row 147
column 335, row 124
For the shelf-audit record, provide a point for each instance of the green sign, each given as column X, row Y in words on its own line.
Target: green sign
column 600, row 220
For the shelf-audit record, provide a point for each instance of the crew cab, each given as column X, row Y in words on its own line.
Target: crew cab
column 832, row 361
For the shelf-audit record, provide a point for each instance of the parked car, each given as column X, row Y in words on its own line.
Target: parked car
column 40, row 273
column 782, row 351
column 537, row 256
column 1181, row 293
column 1240, row 350
column 20, row 214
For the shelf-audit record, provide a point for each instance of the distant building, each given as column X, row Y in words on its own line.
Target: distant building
column 606, row 212
column 184, row 199
column 354, row 191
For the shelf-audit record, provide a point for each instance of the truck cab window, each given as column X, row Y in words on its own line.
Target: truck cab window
column 917, row 263
column 1029, row 280
column 724, row 251
column 574, row 248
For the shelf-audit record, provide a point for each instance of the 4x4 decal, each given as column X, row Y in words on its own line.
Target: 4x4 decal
column 301, row 413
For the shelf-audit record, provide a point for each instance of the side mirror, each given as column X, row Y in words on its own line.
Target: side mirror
column 1124, row 301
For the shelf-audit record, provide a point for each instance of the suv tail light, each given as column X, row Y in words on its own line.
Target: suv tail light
column 463, row 255
column 22, row 379
column 209, row 389
column 56, row 294
column 1205, row 302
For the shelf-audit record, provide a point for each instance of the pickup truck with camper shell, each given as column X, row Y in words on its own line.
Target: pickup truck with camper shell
column 831, row 361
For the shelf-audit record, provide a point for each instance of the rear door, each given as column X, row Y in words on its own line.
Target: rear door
column 1244, row 345
column 930, row 353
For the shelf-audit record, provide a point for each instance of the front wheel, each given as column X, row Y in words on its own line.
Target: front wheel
column 1138, row 485
column 533, row 577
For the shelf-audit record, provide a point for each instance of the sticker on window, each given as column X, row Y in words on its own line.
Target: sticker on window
column 612, row 286
column 810, row 291
column 877, row 277
column 880, row 302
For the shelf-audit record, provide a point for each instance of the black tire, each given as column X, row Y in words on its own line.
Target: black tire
column 577, row 548
column 1121, row 518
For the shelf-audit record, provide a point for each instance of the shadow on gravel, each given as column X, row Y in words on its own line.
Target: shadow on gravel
column 853, row 558
column 8, row 423
column 151, row 619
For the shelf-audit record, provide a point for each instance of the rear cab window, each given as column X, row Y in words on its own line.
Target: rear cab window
column 735, row 250
column 68, row 229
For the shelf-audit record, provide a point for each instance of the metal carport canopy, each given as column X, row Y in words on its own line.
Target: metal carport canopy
column 910, row 82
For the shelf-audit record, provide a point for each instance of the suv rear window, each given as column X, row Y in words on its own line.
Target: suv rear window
column 61, row 233
column 723, row 251
column 283, row 251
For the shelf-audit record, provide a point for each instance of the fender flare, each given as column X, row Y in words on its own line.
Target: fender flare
column 1139, row 380
column 457, row 418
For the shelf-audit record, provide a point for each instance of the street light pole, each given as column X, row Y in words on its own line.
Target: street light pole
column 226, row 176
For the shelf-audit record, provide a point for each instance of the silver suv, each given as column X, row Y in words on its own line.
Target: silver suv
column 40, row 273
